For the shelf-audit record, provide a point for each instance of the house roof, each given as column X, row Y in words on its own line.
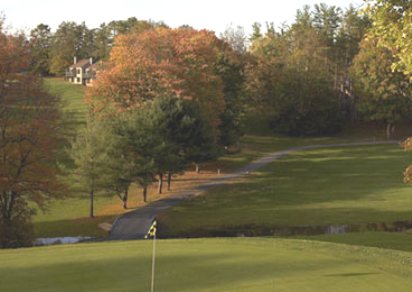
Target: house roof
column 97, row 66
column 82, row 63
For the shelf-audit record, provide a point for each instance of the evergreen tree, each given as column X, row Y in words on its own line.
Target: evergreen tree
column 91, row 158
column 40, row 41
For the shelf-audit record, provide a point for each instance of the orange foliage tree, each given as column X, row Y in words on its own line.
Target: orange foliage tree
column 162, row 62
column 28, row 118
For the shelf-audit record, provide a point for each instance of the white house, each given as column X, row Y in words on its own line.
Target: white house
column 83, row 72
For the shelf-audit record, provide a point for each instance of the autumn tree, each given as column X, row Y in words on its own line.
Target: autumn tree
column 392, row 25
column 384, row 94
column 105, row 34
column 28, row 141
column 163, row 62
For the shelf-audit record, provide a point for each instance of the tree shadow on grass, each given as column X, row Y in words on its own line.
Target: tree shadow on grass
column 350, row 274
column 84, row 226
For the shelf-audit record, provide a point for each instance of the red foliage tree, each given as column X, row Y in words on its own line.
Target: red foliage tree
column 28, row 117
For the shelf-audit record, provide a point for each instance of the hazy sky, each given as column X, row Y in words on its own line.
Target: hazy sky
column 212, row 14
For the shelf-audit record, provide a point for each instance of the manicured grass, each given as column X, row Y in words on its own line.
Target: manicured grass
column 255, row 146
column 74, row 109
column 352, row 185
column 68, row 217
column 387, row 240
column 239, row 264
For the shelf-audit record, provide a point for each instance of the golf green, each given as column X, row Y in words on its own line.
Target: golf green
column 236, row 264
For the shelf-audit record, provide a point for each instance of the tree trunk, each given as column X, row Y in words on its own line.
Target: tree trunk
column 91, row 214
column 197, row 168
column 160, row 184
column 125, row 198
column 145, row 194
column 389, row 129
column 169, row 180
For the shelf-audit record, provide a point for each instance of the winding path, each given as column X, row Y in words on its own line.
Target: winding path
column 135, row 224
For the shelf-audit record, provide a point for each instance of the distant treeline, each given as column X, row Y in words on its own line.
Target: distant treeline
column 54, row 52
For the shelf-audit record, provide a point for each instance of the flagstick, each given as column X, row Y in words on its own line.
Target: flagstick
column 153, row 261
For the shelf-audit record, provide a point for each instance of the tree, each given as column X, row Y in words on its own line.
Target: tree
column 351, row 32
column 161, row 138
column 28, row 122
column 40, row 39
column 230, row 66
column 70, row 40
column 149, row 142
column 392, row 25
column 291, row 80
column 91, row 158
column 384, row 94
column 163, row 62
column 326, row 20
column 104, row 35
column 256, row 32
column 236, row 38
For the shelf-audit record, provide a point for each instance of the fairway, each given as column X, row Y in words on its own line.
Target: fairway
column 238, row 264
column 72, row 98
column 352, row 185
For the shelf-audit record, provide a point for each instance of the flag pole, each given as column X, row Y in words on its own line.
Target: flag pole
column 153, row 231
column 153, row 261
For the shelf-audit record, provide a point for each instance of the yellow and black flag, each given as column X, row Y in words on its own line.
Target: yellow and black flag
column 152, row 230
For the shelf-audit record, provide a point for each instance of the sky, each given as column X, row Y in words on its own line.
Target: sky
column 214, row 15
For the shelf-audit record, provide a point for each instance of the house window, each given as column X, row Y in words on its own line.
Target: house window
column 78, row 80
column 78, row 71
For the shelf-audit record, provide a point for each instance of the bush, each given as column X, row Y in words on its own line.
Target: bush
column 17, row 232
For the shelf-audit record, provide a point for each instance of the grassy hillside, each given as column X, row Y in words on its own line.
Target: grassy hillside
column 238, row 264
column 73, row 105
column 354, row 185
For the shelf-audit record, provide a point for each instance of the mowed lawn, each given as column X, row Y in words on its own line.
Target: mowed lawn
column 237, row 264
column 348, row 185
column 74, row 109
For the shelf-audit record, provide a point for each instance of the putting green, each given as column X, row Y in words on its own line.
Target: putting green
column 236, row 264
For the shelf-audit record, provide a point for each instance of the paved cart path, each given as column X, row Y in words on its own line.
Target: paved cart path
column 135, row 224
